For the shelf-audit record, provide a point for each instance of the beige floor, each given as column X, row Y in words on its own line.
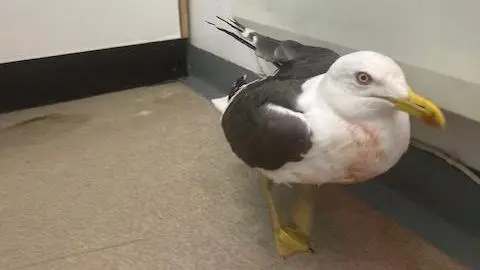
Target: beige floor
column 143, row 179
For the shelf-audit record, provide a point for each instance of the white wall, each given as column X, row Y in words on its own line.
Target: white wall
column 33, row 28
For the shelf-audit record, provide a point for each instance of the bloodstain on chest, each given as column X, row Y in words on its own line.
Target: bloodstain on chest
column 366, row 152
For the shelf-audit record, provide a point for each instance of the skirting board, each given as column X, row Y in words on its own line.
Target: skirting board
column 43, row 81
column 423, row 192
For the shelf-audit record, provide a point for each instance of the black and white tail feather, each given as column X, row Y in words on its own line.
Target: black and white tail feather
column 292, row 59
column 260, row 44
column 264, row 47
column 240, row 29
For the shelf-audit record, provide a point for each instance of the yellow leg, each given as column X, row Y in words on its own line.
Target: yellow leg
column 303, row 210
column 288, row 240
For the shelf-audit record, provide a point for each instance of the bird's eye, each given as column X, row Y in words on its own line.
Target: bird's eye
column 363, row 78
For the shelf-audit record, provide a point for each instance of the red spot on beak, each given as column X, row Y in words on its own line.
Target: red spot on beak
column 429, row 121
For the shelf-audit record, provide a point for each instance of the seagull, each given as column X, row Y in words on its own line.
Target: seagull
column 320, row 118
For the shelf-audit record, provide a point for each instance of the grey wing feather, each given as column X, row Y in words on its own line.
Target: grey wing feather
column 307, row 62
column 291, row 58
column 262, row 137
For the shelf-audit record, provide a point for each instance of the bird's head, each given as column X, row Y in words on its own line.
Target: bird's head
column 367, row 84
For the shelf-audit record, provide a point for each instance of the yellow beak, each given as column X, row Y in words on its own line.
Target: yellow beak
column 421, row 108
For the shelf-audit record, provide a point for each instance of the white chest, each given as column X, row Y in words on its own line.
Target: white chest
column 348, row 153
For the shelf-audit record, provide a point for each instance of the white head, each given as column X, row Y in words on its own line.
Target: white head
column 365, row 84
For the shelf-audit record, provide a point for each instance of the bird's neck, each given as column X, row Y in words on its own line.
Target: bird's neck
column 310, row 98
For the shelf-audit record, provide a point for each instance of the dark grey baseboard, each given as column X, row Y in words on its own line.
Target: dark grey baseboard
column 422, row 192
column 43, row 81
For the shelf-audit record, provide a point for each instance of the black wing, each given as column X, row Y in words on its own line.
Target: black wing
column 292, row 58
column 260, row 136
